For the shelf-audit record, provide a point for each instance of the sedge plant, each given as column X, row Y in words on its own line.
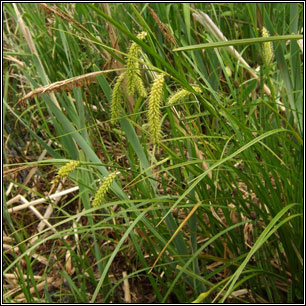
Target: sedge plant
column 195, row 194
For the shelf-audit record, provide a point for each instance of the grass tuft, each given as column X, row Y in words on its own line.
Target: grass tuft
column 181, row 133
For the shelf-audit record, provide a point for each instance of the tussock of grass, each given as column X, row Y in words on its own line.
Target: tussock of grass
column 188, row 182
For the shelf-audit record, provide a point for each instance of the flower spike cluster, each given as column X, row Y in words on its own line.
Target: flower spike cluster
column 133, row 78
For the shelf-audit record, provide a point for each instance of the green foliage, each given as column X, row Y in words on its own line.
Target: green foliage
column 229, row 140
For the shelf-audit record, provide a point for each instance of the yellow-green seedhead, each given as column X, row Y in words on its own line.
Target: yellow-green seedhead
column 103, row 189
column 154, row 113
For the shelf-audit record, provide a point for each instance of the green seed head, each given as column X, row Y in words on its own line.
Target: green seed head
column 117, row 96
column 267, row 47
column 103, row 189
column 154, row 112
column 181, row 94
column 133, row 66
column 66, row 169
column 140, row 87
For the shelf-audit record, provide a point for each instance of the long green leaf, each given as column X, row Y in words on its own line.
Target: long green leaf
column 237, row 42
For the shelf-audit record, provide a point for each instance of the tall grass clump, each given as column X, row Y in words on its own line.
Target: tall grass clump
column 153, row 153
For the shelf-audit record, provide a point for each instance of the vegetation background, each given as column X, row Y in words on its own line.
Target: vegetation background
column 212, row 212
